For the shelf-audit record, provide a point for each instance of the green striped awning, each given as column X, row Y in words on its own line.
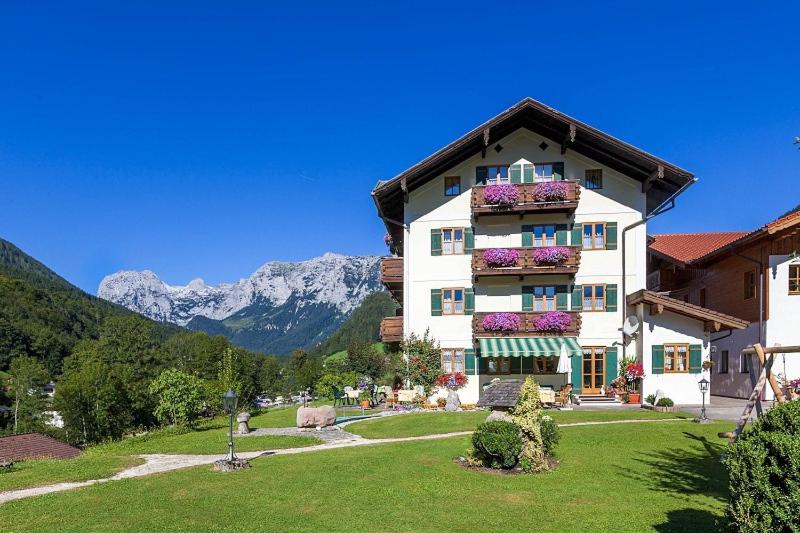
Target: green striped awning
column 528, row 346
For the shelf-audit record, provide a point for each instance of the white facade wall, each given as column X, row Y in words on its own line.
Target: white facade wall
column 620, row 200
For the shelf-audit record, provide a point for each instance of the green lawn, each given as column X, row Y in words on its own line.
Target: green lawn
column 416, row 424
column 658, row 477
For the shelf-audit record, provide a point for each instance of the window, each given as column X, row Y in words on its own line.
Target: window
column 794, row 279
column 452, row 301
column 543, row 172
column 453, row 360
column 749, row 284
column 676, row 358
column 594, row 178
column 723, row 362
column 498, row 365
column 544, row 299
column 452, row 185
column 452, row 241
column 544, row 235
column 544, row 365
column 743, row 363
column 594, row 236
column 594, row 297
column 493, row 174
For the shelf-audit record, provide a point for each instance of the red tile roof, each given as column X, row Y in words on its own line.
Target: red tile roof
column 34, row 446
column 686, row 247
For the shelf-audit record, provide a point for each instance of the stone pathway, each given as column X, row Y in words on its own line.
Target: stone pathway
column 334, row 439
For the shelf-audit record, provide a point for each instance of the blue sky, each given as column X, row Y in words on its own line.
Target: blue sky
column 202, row 139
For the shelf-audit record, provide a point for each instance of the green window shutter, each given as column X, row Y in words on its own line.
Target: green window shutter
column 469, row 301
column 561, row 234
column 611, row 297
column 436, row 302
column 611, row 235
column 515, row 171
column 516, row 365
column 695, row 358
column 611, row 364
column 577, row 374
column 483, row 365
column 436, row 242
column 527, row 173
column 527, row 298
column 558, row 171
column 469, row 361
column 577, row 297
column 469, row 240
column 561, row 297
column 480, row 175
column 576, row 238
column 527, row 365
column 527, row 235
column 658, row 359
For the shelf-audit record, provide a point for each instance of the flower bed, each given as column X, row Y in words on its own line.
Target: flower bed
column 501, row 257
column 551, row 191
column 503, row 194
column 451, row 381
column 551, row 255
column 501, row 322
column 552, row 322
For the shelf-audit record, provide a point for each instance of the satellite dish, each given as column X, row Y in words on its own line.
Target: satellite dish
column 631, row 326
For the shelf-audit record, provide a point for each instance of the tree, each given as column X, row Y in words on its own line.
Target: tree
column 179, row 397
column 364, row 359
column 303, row 371
column 424, row 360
column 527, row 415
column 269, row 375
column 27, row 378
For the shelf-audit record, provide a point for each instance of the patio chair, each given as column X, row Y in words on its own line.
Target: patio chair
column 563, row 395
column 390, row 399
column 339, row 396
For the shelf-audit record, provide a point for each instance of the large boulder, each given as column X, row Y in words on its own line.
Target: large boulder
column 453, row 401
column 316, row 417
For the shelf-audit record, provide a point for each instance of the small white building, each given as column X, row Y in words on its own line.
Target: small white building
column 516, row 245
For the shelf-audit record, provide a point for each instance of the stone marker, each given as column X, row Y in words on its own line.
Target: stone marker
column 453, row 402
column 244, row 426
column 316, row 417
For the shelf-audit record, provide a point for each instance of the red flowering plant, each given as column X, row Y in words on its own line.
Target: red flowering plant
column 424, row 361
column 634, row 373
column 451, row 381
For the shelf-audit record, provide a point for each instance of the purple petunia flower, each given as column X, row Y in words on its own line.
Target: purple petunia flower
column 551, row 255
column 552, row 322
column 501, row 257
column 503, row 194
column 501, row 322
column 551, row 191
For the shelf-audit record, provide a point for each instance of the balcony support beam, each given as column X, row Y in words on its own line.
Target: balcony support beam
column 569, row 138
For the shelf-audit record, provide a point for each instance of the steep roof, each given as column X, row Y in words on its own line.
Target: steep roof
column 34, row 446
column 686, row 247
column 714, row 320
column 664, row 178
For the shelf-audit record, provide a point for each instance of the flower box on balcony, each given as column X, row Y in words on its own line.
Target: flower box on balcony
column 501, row 322
column 551, row 255
column 552, row 322
column 501, row 257
column 502, row 195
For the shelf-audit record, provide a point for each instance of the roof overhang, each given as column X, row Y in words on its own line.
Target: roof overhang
column 659, row 178
column 712, row 320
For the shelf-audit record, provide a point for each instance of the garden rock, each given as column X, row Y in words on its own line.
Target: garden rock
column 499, row 415
column 244, row 426
column 316, row 417
column 453, row 402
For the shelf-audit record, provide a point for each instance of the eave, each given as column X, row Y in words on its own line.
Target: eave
column 712, row 320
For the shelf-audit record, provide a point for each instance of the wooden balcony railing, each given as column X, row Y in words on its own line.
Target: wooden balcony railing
column 392, row 276
column 526, row 327
column 526, row 202
column 392, row 329
column 526, row 265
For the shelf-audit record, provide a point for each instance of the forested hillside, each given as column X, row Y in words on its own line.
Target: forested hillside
column 363, row 326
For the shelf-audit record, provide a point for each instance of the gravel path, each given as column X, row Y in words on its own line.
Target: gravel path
column 334, row 439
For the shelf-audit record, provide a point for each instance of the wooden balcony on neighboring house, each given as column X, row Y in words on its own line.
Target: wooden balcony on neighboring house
column 526, row 265
column 392, row 329
column 526, row 201
column 392, row 277
column 526, row 326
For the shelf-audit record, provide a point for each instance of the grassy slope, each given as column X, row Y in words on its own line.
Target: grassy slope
column 659, row 477
column 413, row 425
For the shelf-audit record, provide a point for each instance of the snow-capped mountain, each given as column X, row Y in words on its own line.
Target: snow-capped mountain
column 281, row 306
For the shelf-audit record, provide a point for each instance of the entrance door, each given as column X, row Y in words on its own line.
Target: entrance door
column 594, row 365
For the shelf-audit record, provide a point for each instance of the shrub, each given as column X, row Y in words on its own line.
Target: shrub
column 340, row 380
column 550, row 434
column 497, row 444
column 764, row 470
column 665, row 402
column 179, row 397
column 424, row 360
column 527, row 415
column 651, row 398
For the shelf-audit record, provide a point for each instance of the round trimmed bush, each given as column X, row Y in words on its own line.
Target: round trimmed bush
column 764, row 470
column 665, row 402
column 497, row 444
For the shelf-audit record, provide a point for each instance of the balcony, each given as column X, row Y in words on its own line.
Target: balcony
column 527, row 200
column 392, row 276
column 526, row 264
column 526, row 326
column 392, row 329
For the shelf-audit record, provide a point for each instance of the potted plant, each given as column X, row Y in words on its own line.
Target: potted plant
column 452, row 382
column 618, row 384
column 794, row 389
column 552, row 322
column 551, row 255
column 505, row 322
column 365, row 399
column 501, row 257
column 634, row 373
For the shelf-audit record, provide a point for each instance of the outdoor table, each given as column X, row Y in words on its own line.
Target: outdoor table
column 353, row 394
column 547, row 395
column 405, row 395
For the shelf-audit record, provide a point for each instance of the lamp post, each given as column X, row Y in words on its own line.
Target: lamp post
column 229, row 401
column 703, row 384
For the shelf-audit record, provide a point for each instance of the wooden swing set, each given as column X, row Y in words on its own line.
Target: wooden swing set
column 766, row 356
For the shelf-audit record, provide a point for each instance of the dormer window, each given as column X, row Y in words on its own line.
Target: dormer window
column 543, row 172
column 492, row 175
